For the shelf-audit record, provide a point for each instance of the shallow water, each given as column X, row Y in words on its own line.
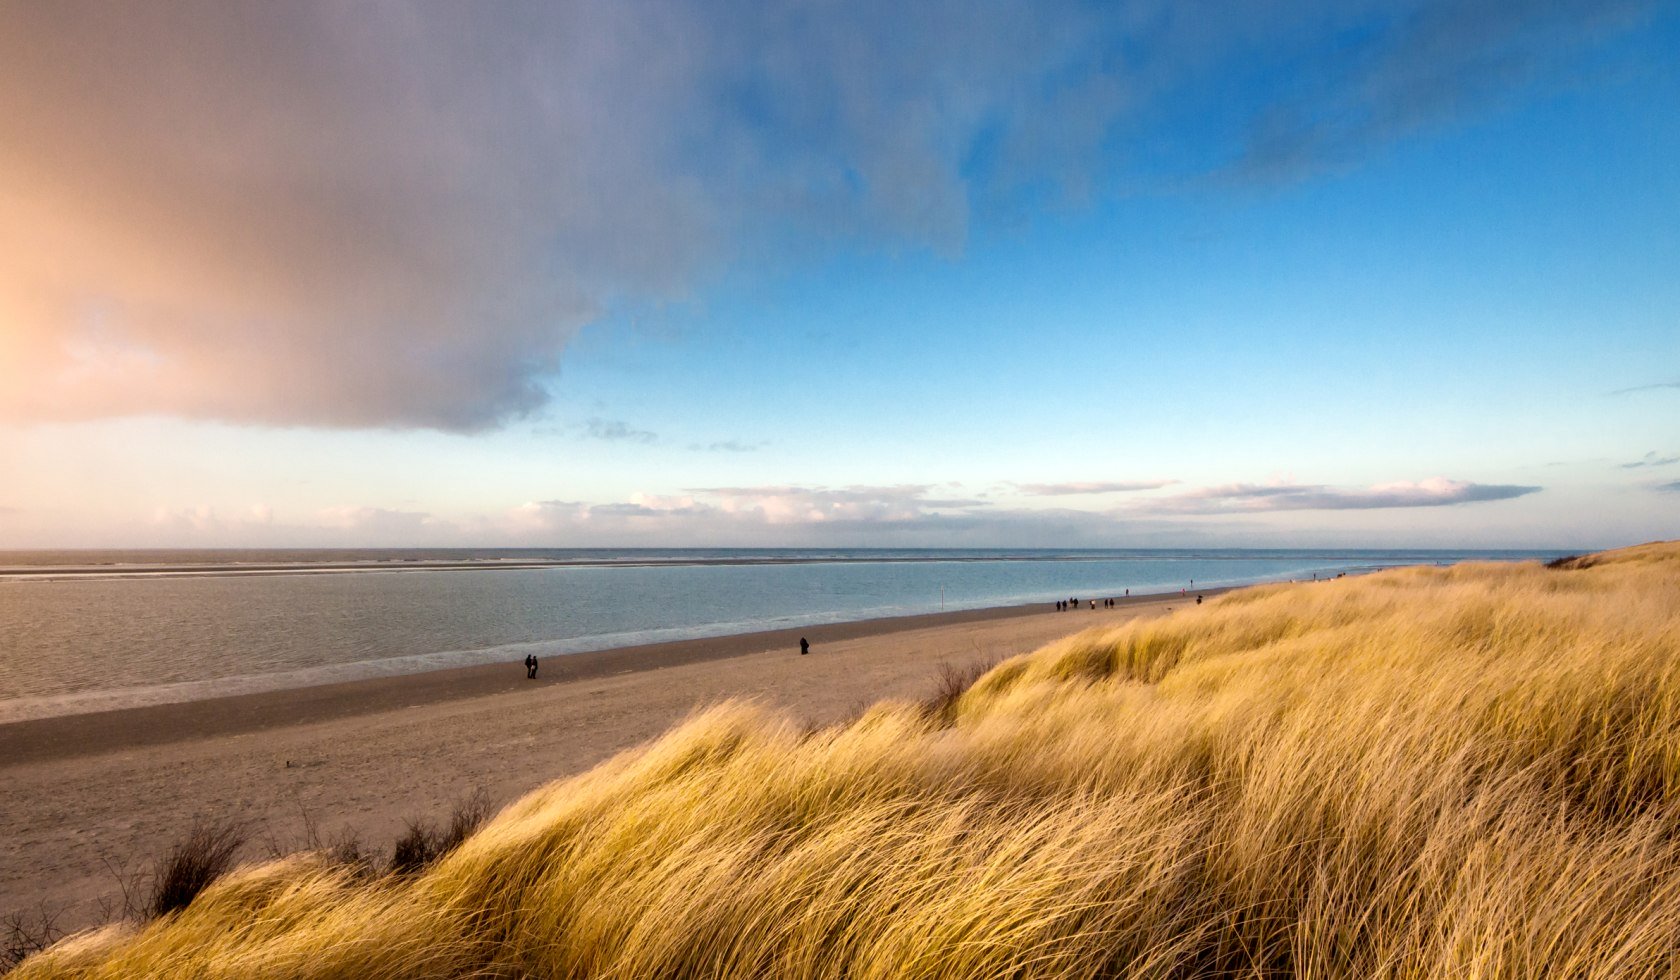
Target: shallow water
column 131, row 635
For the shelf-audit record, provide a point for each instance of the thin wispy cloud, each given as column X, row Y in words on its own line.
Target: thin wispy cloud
column 1252, row 498
column 377, row 216
column 729, row 446
column 615, row 430
column 1673, row 487
column 1073, row 489
column 1660, row 386
column 1651, row 459
column 1446, row 61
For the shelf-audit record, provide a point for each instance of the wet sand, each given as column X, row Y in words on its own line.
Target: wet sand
column 89, row 798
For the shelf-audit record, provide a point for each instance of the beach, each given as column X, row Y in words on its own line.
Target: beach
column 91, row 798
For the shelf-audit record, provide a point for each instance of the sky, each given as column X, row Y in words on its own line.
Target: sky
column 809, row 273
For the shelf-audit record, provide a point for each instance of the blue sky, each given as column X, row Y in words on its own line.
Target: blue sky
column 1014, row 274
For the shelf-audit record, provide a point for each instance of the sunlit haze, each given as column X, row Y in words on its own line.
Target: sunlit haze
column 866, row 274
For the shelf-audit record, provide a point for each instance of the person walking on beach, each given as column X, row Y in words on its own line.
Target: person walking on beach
column 530, row 666
column 804, row 646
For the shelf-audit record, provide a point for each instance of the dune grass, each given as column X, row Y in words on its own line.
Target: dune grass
column 1467, row 772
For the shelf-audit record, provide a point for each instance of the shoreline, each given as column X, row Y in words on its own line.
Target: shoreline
column 89, row 733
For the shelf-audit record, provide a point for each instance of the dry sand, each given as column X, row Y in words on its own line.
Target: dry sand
column 86, row 799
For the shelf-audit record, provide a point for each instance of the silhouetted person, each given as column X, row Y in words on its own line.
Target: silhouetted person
column 530, row 666
column 1198, row 600
column 804, row 646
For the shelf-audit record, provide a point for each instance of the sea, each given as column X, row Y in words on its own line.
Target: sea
column 85, row 631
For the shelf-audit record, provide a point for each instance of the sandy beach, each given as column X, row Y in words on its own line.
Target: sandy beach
column 91, row 797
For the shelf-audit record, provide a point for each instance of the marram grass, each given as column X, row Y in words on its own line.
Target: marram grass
column 1468, row 772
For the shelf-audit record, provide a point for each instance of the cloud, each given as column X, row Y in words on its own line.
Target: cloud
column 1662, row 386
column 729, row 446
column 723, row 511
column 317, row 214
column 1070, row 489
column 1408, row 67
column 375, row 522
column 793, row 504
column 902, row 515
column 613, row 430
column 1651, row 459
column 1673, row 487
column 204, row 519
column 1254, row 498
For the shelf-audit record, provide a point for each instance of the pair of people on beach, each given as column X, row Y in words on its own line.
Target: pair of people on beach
column 530, row 665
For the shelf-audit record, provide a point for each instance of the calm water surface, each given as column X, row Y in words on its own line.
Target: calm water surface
column 87, row 631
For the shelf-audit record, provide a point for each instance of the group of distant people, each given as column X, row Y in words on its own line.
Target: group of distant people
column 1063, row 605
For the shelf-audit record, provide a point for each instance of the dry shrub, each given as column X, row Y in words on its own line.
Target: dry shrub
column 951, row 684
column 204, row 855
column 422, row 843
column 23, row 934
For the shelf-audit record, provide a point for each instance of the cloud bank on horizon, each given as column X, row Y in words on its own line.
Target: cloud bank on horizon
column 825, row 516
column 398, row 216
column 817, row 516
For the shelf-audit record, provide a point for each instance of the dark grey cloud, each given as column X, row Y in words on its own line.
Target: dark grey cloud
column 614, row 430
column 1651, row 459
column 1253, row 498
column 1072, row 489
column 313, row 213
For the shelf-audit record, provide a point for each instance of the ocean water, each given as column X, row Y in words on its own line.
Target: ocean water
column 89, row 631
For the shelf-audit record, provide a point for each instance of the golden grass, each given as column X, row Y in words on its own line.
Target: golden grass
column 1468, row 772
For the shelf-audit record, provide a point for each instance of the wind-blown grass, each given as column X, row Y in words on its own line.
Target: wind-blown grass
column 1468, row 772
